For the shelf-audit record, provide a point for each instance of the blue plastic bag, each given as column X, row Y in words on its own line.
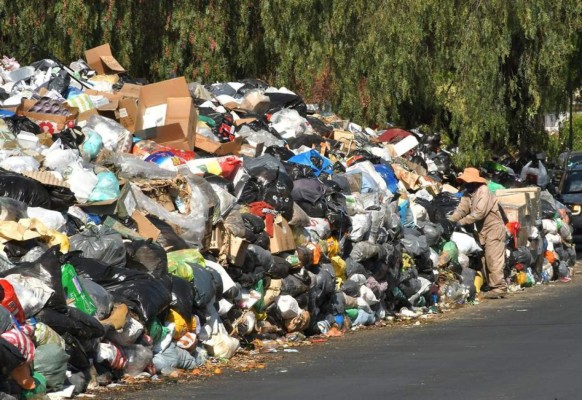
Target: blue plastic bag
column 313, row 159
column 387, row 173
column 92, row 144
column 107, row 187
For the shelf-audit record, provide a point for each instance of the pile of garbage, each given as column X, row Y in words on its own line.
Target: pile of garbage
column 148, row 228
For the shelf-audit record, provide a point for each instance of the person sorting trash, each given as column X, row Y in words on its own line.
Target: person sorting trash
column 479, row 206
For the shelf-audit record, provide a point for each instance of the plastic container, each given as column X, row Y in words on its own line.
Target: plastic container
column 9, row 300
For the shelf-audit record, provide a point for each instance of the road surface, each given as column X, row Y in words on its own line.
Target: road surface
column 525, row 347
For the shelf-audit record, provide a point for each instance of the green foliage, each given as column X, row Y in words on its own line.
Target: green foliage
column 576, row 130
column 482, row 72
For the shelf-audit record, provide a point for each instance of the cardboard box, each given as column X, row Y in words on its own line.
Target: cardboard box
column 282, row 239
column 237, row 251
column 58, row 122
column 216, row 148
column 102, row 61
column 534, row 199
column 515, row 213
column 130, row 90
column 347, row 140
column 181, row 115
column 235, row 248
column 119, row 108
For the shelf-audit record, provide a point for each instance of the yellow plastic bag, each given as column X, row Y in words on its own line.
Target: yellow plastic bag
column 339, row 266
column 182, row 327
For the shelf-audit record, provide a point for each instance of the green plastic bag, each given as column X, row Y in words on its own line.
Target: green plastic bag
column 39, row 390
column 449, row 253
column 156, row 330
column 51, row 361
column 178, row 263
column 75, row 292
column 260, row 287
column 494, row 186
column 352, row 313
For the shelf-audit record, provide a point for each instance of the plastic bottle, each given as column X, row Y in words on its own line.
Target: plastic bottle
column 10, row 301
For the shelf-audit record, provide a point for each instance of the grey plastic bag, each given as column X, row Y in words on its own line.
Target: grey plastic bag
column 101, row 243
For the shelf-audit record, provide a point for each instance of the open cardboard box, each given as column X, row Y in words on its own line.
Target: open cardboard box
column 181, row 115
column 119, row 108
column 57, row 122
column 217, row 148
column 102, row 61
column 236, row 248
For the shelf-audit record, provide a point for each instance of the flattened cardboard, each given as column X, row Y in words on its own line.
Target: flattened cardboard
column 46, row 178
column 216, row 148
column 144, row 227
column 282, row 239
column 102, row 61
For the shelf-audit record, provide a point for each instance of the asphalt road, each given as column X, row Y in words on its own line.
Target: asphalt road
column 525, row 347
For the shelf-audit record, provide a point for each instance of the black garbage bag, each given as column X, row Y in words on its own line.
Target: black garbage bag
column 351, row 288
column 71, row 138
column 73, row 321
column 363, row 251
column 277, row 194
column 12, row 210
column 204, row 286
column 354, row 267
column 168, row 238
column 317, row 210
column 78, row 357
column 182, row 297
column 548, row 210
column 279, row 268
column 47, row 268
column 90, row 268
column 266, row 169
column 282, row 153
column 299, row 171
column 16, row 250
column 409, row 283
column 60, row 83
column 432, row 232
column 101, row 243
column 337, row 214
column 308, row 191
column 254, row 223
column 320, row 127
column 17, row 123
column 145, row 295
column 414, row 245
column 61, row 198
column 325, row 284
column 24, row 189
column 262, row 240
column 147, row 256
column 10, row 356
column 524, row 256
column 296, row 283
column 279, row 101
